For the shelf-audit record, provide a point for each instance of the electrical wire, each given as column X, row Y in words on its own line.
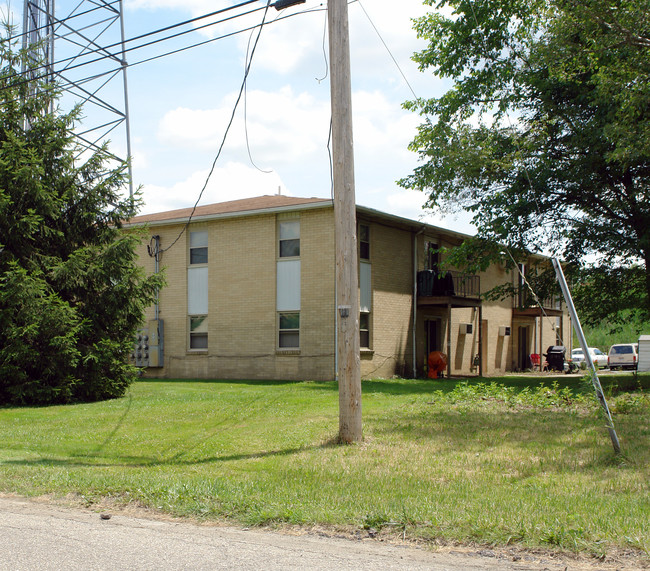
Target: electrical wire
column 225, row 136
column 123, row 52
column 248, row 147
column 173, row 52
column 327, row 64
column 390, row 53
column 67, row 83
column 120, row 44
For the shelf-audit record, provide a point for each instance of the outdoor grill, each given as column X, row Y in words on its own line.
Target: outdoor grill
column 555, row 358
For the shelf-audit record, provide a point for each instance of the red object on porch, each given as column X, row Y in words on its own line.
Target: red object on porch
column 535, row 361
column 437, row 362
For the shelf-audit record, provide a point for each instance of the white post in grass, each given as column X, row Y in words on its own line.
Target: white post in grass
column 583, row 343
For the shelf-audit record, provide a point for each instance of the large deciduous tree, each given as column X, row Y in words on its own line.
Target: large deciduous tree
column 71, row 295
column 544, row 135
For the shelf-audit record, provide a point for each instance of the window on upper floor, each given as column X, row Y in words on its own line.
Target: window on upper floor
column 199, row 247
column 521, row 285
column 364, row 242
column 289, row 238
column 431, row 255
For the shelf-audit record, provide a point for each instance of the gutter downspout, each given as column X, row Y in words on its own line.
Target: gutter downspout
column 415, row 296
column 157, row 270
column 153, row 249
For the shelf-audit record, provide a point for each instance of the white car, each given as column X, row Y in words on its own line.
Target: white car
column 597, row 356
column 624, row 356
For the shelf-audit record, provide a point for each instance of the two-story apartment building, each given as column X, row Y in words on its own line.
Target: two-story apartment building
column 251, row 295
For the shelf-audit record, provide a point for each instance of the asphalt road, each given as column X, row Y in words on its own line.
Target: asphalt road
column 39, row 536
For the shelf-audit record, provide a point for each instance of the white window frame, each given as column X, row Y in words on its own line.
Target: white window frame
column 288, row 231
column 289, row 331
column 362, row 242
column 198, row 241
column 203, row 333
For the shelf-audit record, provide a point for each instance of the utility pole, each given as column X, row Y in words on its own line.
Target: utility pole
column 347, row 272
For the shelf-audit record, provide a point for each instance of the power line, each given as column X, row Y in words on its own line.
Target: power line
column 225, row 135
column 117, row 56
column 248, row 147
column 148, row 44
column 390, row 53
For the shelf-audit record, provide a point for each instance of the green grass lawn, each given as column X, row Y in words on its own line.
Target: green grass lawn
column 500, row 463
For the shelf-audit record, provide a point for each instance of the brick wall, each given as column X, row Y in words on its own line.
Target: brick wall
column 391, row 259
column 243, row 327
column 242, row 319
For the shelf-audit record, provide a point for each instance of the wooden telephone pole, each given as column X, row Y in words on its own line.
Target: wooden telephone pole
column 347, row 273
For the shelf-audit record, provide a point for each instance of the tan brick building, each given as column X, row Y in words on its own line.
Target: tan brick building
column 251, row 295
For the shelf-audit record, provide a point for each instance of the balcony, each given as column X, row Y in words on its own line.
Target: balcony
column 525, row 305
column 448, row 288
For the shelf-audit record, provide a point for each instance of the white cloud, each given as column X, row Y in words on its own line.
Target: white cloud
column 381, row 124
column 407, row 203
column 282, row 126
column 230, row 182
column 192, row 6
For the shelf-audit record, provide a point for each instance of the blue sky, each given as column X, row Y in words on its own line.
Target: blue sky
column 180, row 105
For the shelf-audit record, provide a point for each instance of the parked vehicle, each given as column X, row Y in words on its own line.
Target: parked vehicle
column 623, row 356
column 597, row 356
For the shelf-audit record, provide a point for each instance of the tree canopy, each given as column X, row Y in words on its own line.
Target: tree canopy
column 71, row 295
column 544, row 135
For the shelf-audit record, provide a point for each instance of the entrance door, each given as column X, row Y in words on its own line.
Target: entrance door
column 524, row 348
column 432, row 331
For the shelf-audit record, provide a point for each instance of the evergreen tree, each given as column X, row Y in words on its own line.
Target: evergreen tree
column 71, row 294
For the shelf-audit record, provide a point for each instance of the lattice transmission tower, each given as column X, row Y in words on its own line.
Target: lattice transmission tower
column 80, row 46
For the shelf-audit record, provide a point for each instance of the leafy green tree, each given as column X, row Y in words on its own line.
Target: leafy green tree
column 544, row 136
column 71, row 294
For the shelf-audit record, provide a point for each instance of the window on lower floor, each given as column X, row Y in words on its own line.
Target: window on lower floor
column 364, row 330
column 289, row 330
column 198, row 332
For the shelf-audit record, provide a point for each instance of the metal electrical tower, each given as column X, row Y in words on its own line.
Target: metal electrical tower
column 81, row 48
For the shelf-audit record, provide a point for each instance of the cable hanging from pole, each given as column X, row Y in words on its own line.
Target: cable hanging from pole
column 225, row 135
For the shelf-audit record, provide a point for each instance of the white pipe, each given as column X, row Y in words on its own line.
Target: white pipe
column 583, row 343
column 415, row 296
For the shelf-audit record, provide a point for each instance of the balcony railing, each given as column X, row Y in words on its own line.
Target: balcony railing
column 524, row 299
column 432, row 283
